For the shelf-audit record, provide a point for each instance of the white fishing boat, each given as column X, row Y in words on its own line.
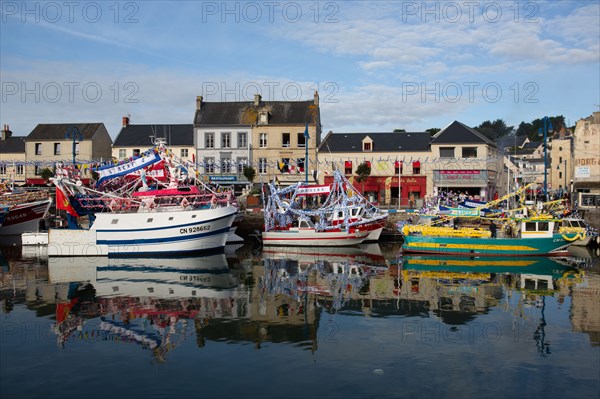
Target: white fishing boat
column 171, row 220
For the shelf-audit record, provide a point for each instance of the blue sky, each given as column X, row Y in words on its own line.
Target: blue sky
column 377, row 65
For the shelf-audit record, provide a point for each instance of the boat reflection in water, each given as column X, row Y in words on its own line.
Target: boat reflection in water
column 143, row 301
column 334, row 275
column 457, row 289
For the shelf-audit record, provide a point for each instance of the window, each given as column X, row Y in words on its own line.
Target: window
column 543, row 226
column 262, row 165
column 301, row 140
column 366, row 146
column 263, row 140
column 560, row 175
column 209, row 165
column 530, row 226
column 469, row 152
column 416, row 168
column 285, row 140
column 2, row 169
column 398, row 168
column 209, row 140
column 446, row 152
column 19, row 169
column 122, row 153
column 241, row 162
column 226, row 140
column 136, row 152
column 242, row 139
column 37, row 171
column 184, row 153
column 76, row 148
column 348, row 167
column 559, row 160
column 56, row 148
column 263, row 118
column 559, row 148
column 225, row 163
column 38, row 148
column 300, row 164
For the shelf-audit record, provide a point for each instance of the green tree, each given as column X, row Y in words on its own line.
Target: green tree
column 399, row 130
column 46, row 174
column 433, row 130
column 249, row 173
column 363, row 171
column 494, row 130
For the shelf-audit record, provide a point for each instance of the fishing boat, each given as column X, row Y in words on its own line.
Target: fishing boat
column 322, row 215
column 528, row 237
column 305, row 234
column 22, row 212
column 174, row 219
column 499, row 265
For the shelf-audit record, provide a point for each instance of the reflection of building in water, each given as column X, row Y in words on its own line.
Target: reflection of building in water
column 585, row 307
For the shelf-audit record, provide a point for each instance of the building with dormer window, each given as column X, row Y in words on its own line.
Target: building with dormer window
column 266, row 134
column 396, row 162
column 464, row 160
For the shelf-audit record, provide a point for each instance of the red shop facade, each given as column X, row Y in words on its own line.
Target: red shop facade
column 384, row 189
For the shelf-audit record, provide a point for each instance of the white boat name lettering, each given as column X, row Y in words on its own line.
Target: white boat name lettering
column 188, row 230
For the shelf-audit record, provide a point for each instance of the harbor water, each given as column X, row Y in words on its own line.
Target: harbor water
column 362, row 322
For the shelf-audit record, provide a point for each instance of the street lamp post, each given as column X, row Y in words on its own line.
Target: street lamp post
column 306, row 137
column 547, row 127
column 73, row 131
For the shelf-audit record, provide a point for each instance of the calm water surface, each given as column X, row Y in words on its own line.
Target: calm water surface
column 288, row 323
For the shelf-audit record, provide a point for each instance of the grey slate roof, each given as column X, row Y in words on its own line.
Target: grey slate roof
column 382, row 142
column 12, row 145
column 139, row 135
column 57, row 131
column 459, row 133
column 246, row 113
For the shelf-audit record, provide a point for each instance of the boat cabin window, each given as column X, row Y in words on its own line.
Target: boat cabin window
column 149, row 220
column 355, row 211
column 114, row 221
column 306, row 224
column 536, row 226
column 340, row 215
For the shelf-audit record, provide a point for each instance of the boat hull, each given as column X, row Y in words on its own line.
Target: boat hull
column 546, row 246
column 146, row 233
column 311, row 238
column 24, row 218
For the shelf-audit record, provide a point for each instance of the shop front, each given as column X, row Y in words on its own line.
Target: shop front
column 476, row 183
column 383, row 190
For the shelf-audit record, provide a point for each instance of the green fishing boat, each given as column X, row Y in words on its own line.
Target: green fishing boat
column 526, row 237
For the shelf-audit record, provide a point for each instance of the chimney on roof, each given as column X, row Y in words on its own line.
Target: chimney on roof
column 198, row 103
column 125, row 121
column 316, row 98
column 6, row 133
column 257, row 98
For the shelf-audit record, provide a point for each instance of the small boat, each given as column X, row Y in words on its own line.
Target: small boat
column 584, row 234
column 305, row 234
column 24, row 212
column 324, row 215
